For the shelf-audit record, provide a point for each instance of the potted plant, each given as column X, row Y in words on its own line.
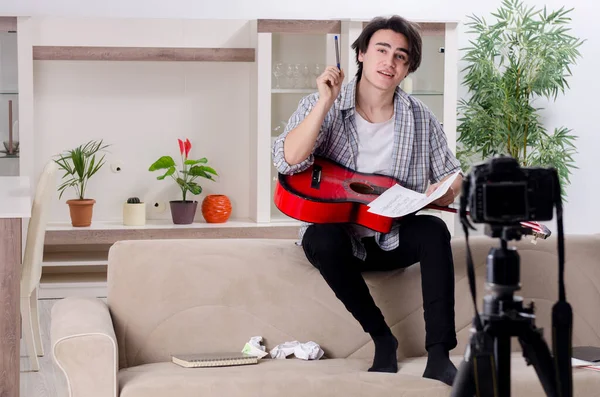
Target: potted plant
column 526, row 54
column 80, row 164
column 134, row 212
column 183, row 211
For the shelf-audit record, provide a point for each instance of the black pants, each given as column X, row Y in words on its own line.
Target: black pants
column 423, row 238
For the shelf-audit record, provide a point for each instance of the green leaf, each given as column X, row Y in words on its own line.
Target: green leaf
column 194, row 188
column 193, row 162
column 162, row 163
column 209, row 169
column 203, row 171
column 169, row 172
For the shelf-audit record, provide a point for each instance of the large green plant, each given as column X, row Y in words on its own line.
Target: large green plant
column 524, row 55
column 80, row 164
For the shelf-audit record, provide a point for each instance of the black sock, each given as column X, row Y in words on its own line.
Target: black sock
column 385, row 359
column 439, row 366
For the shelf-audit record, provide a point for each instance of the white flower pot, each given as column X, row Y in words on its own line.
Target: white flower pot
column 134, row 214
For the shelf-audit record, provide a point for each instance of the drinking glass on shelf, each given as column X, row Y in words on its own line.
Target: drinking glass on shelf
column 289, row 74
column 297, row 75
column 306, row 76
column 277, row 73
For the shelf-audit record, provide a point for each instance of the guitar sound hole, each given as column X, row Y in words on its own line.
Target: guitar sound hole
column 361, row 188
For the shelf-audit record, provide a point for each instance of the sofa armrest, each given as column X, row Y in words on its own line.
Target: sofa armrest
column 85, row 347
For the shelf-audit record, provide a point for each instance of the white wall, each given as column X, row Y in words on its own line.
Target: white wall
column 576, row 110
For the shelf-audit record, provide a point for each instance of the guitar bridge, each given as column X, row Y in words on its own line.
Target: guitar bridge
column 315, row 181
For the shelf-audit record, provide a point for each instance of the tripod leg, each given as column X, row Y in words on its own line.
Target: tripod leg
column 463, row 385
column 476, row 375
column 537, row 353
column 502, row 353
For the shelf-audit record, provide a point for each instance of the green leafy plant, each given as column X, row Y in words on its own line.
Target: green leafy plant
column 191, row 170
column 80, row 165
column 526, row 54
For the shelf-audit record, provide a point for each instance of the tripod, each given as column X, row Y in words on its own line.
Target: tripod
column 485, row 370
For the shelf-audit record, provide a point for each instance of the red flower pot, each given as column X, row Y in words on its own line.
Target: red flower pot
column 216, row 208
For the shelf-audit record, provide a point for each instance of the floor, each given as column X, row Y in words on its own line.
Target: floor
column 49, row 381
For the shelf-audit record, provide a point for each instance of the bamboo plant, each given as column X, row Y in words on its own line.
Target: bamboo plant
column 524, row 55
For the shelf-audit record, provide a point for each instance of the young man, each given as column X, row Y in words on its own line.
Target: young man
column 372, row 126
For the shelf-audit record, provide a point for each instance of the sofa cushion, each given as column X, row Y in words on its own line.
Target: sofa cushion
column 330, row 377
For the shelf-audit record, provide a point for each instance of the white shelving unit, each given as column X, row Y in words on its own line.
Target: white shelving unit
column 75, row 257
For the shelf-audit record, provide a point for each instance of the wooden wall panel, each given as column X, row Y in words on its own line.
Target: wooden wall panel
column 299, row 26
column 64, row 53
column 8, row 24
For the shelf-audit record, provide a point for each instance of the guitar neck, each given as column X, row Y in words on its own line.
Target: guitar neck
column 441, row 208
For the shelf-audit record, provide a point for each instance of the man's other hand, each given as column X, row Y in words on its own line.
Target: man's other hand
column 446, row 199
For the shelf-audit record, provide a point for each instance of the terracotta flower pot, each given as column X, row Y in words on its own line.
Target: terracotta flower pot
column 216, row 208
column 81, row 211
column 183, row 212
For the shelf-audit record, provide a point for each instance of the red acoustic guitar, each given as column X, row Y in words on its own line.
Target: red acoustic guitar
column 328, row 192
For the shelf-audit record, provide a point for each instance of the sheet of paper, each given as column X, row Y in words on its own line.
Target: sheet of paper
column 399, row 201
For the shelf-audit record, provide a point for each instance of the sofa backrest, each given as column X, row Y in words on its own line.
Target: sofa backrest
column 191, row 296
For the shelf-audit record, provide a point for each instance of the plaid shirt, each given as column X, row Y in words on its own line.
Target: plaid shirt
column 420, row 155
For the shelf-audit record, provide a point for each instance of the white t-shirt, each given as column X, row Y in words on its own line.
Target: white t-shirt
column 375, row 146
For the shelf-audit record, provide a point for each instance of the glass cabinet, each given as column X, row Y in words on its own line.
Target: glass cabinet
column 9, row 105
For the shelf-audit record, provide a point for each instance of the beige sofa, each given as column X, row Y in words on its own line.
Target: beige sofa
column 184, row 296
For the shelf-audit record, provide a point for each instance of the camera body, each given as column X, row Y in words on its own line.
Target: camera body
column 501, row 192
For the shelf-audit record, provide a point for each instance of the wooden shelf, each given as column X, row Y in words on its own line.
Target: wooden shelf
column 72, row 259
column 304, row 26
column 426, row 93
column 81, row 53
column 8, row 24
column 57, row 286
column 293, row 90
column 110, row 232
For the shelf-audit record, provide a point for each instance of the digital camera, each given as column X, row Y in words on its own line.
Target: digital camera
column 502, row 192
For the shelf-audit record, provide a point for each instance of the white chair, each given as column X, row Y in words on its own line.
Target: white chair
column 32, row 263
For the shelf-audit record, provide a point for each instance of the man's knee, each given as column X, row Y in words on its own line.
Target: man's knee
column 433, row 228
column 322, row 242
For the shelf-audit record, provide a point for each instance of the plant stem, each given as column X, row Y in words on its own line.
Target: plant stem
column 517, row 97
column 528, row 93
column 183, row 189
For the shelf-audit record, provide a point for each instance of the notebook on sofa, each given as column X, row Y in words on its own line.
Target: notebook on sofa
column 203, row 360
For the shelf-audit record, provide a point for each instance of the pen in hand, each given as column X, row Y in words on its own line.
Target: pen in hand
column 337, row 52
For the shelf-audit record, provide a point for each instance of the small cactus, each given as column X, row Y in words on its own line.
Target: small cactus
column 133, row 200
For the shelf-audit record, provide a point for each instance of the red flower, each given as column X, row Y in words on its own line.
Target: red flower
column 188, row 146
column 181, row 149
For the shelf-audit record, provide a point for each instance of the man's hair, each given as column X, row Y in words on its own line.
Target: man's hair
column 399, row 25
